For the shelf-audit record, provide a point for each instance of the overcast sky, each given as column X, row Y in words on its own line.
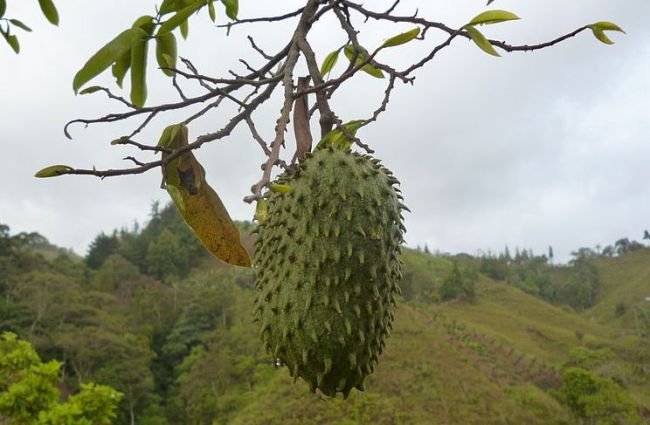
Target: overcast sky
column 529, row 150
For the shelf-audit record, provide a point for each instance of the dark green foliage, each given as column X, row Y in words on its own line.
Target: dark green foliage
column 582, row 286
column 620, row 309
column 624, row 246
column 100, row 249
column 205, row 309
column 495, row 268
column 456, row 286
column 165, row 258
column 165, row 249
column 5, row 240
column 328, row 266
column 531, row 275
column 527, row 272
column 599, row 400
column 587, row 358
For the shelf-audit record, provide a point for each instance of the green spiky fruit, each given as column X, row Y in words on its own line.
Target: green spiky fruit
column 328, row 266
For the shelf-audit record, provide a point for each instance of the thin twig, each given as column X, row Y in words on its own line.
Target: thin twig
column 128, row 141
column 224, row 132
column 144, row 124
column 292, row 59
column 264, row 19
column 195, row 72
column 180, row 105
column 135, row 161
column 263, row 81
column 178, row 88
column 257, row 137
column 258, row 49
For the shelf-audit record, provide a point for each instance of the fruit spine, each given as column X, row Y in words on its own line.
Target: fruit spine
column 328, row 266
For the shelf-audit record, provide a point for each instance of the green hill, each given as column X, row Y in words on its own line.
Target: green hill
column 151, row 314
column 625, row 285
column 496, row 360
column 431, row 372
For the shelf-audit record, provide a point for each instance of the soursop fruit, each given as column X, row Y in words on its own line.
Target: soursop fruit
column 328, row 266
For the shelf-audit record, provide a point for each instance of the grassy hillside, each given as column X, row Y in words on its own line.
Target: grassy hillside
column 625, row 281
column 429, row 373
column 556, row 336
column 496, row 360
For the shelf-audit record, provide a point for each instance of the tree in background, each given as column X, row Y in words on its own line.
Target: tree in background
column 624, row 246
column 100, row 249
column 456, row 286
column 581, row 289
column 29, row 392
column 598, row 400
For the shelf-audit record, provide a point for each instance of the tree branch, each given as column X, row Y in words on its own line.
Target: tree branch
column 292, row 59
column 263, row 81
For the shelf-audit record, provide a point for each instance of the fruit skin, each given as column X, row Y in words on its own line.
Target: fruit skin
column 328, row 266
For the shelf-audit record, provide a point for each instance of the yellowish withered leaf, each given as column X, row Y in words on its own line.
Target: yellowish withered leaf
column 198, row 203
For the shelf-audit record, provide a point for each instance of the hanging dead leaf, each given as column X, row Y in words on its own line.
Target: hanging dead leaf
column 198, row 203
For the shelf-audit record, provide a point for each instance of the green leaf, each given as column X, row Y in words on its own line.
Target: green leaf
column 91, row 89
column 232, row 8
column 49, row 10
column 3, row 8
column 262, row 211
column 211, row 11
column 337, row 138
column 607, row 26
column 493, row 17
column 481, row 41
column 280, row 188
column 167, row 136
column 20, row 25
column 180, row 17
column 168, row 6
column 402, row 38
column 145, row 22
column 362, row 57
column 105, row 56
column 13, row 42
column 329, row 62
column 166, row 52
column 600, row 35
column 139, row 71
column 121, row 66
column 185, row 29
column 599, row 29
column 54, row 171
